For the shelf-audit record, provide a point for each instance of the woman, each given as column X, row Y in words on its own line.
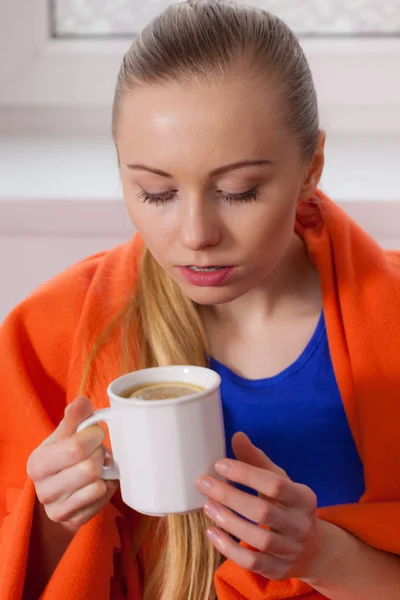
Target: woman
column 243, row 264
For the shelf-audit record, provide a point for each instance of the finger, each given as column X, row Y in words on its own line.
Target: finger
column 246, row 451
column 76, row 412
column 268, row 483
column 255, row 508
column 257, row 562
column 260, row 538
column 82, row 516
column 86, row 498
column 49, row 460
column 288, row 522
column 62, row 485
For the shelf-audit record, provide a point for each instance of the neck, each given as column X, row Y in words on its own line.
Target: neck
column 292, row 285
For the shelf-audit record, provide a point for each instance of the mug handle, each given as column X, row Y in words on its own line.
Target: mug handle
column 104, row 415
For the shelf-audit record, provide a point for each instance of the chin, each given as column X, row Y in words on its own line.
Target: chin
column 207, row 296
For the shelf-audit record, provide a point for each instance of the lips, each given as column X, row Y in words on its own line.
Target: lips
column 205, row 276
column 205, row 269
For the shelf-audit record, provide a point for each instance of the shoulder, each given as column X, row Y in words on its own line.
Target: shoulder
column 68, row 290
column 61, row 297
column 393, row 260
column 51, row 314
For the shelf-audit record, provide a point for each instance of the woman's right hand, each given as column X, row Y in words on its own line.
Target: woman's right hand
column 66, row 468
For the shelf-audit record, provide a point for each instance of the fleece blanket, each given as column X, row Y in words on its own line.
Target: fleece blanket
column 44, row 344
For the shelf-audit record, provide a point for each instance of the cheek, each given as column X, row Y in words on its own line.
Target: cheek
column 148, row 219
column 269, row 236
column 154, row 226
column 268, row 222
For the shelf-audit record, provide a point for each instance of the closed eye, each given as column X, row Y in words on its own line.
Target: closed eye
column 157, row 199
column 165, row 197
column 248, row 196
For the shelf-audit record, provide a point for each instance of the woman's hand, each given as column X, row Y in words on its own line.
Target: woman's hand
column 66, row 468
column 284, row 532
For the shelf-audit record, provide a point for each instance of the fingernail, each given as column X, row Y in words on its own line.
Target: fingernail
column 69, row 405
column 212, row 510
column 223, row 467
column 205, row 483
column 108, row 458
column 213, row 535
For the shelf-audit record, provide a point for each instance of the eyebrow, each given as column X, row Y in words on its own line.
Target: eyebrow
column 219, row 171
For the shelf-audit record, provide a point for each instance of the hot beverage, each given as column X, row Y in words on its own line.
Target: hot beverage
column 162, row 390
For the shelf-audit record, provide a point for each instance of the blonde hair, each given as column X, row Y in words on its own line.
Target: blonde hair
column 168, row 330
column 200, row 39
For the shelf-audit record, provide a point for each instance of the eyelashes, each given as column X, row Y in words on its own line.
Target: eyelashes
column 157, row 199
column 245, row 197
column 166, row 197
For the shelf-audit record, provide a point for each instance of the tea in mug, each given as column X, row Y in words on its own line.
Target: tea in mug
column 163, row 390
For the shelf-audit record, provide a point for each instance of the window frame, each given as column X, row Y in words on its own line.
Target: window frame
column 45, row 72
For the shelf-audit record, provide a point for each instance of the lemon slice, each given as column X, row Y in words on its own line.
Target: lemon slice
column 165, row 391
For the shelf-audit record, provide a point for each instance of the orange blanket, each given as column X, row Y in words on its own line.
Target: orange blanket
column 43, row 345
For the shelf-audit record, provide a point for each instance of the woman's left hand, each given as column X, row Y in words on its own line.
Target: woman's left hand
column 287, row 542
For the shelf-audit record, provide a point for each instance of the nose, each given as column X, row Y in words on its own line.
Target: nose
column 200, row 226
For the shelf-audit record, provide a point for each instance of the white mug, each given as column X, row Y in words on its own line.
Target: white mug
column 161, row 447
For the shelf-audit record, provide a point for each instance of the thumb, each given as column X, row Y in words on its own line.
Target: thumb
column 76, row 412
column 247, row 452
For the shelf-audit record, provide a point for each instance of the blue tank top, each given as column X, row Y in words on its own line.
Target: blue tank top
column 297, row 418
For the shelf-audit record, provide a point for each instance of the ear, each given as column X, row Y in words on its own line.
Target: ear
column 314, row 170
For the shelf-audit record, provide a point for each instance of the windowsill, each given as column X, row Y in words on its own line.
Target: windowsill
column 71, row 183
column 357, row 168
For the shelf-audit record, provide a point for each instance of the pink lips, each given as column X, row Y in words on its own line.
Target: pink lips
column 205, row 278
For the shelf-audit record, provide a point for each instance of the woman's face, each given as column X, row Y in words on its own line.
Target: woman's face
column 211, row 179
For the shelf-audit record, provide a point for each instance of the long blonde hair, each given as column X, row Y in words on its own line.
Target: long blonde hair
column 200, row 39
column 168, row 330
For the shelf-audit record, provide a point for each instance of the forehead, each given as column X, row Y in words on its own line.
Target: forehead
column 232, row 117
